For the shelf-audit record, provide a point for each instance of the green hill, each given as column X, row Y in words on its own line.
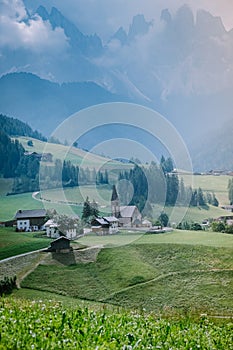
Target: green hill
column 148, row 275
column 75, row 155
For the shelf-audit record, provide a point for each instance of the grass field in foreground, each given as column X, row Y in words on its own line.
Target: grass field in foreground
column 38, row 325
column 146, row 275
column 14, row 243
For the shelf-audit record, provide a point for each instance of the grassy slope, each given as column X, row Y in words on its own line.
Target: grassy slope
column 10, row 204
column 101, row 194
column 198, row 214
column 216, row 184
column 206, row 238
column 77, row 156
column 150, row 274
column 14, row 243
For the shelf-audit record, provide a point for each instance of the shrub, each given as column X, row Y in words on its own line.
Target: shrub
column 7, row 285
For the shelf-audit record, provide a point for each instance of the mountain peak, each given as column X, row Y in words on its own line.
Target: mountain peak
column 185, row 15
column 139, row 26
column 79, row 42
column 121, row 36
column 209, row 25
column 43, row 13
column 166, row 16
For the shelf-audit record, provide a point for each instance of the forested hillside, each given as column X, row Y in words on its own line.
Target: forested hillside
column 10, row 154
column 14, row 162
column 15, row 127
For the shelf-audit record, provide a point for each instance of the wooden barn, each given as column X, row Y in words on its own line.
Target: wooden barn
column 60, row 245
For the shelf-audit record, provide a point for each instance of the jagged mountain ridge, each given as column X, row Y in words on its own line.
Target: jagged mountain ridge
column 89, row 45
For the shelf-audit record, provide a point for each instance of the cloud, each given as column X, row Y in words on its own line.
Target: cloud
column 18, row 30
column 173, row 59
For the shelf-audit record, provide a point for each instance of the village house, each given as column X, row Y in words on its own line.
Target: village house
column 225, row 218
column 227, row 207
column 105, row 225
column 146, row 223
column 30, row 220
column 45, row 157
column 128, row 216
column 52, row 229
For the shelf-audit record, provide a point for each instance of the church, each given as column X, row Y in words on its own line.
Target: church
column 128, row 216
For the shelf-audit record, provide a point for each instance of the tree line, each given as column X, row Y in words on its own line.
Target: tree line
column 69, row 175
column 63, row 174
column 158, row 184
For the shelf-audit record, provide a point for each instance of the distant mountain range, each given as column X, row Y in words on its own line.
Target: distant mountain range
column 180, row 66
column 45, row 104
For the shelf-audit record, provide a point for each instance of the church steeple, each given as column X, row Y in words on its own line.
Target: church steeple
column 115, row 203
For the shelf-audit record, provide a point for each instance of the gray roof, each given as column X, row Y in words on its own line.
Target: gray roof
column 28, row 214
column 127, row 211
column 110, row 218
column 101, row 221
column 50, row 223
column 106, row 220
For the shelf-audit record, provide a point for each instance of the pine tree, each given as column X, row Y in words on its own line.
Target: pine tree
column 87, row 212
column 215, row 202
column 94, row 209
column 200, row 198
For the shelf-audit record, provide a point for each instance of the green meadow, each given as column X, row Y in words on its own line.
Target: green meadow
column 75, row 155
column 156, row 272
column 74, row 197
column 14, row 243
column 211, row 183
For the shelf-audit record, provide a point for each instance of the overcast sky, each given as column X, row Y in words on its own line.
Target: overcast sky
column 105, row 16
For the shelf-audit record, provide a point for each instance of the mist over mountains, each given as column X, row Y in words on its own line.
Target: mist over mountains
column 180, row 65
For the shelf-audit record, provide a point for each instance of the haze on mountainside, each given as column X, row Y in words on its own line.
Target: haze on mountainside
column 180, row 63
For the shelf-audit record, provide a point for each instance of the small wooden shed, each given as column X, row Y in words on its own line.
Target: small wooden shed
column 60, row 245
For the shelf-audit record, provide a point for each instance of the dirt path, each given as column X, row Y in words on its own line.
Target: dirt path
column 161, row 277
column 43, row 200
column 34, row 194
